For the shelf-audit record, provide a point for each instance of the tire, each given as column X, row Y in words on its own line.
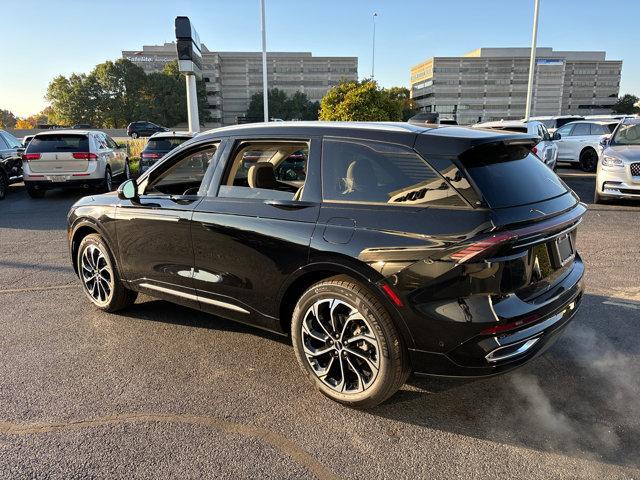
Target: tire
column 4, row 185
column 35, row 192
column 99, row 277
column 107, row 183
column 134, row 135
column 588, row 160
column 127, row 171
column 381, row 360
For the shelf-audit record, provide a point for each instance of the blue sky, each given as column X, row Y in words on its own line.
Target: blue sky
column 55, row 37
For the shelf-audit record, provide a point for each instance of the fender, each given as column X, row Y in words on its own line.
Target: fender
column 82, row 219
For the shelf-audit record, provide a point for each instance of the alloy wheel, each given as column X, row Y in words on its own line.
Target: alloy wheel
column 96, row 273
column 340, row 346
column 108, row 181
column 127, row 172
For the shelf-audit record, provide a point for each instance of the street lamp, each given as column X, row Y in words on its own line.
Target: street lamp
column 373, row 47
column 265, row 91
column 532, row 61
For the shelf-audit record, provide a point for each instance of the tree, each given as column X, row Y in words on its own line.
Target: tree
column 296, row 107
column 402, row 95
column 7, row 119
column 360, row 101
column 24, row 124
column 627, row 104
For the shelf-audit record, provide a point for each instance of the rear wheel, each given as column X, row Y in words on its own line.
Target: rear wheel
column 100, row 279
column 107, row 182
column 588, row 160
column 134, row 135
column 347, row 345
column 4, row 185
column 127, row 171
column 34, row 192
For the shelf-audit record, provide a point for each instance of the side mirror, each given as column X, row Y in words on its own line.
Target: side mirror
column 556, row 136
column 20, row 151
column 128, row 190
column 604, row 142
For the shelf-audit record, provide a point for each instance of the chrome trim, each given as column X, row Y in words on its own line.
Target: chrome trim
column 136, row 215
column 193, row 297
column 526, row 345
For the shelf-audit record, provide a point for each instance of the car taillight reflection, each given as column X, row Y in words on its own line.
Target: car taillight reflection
column 85, row 156
column 151, row 155
column 31, row 156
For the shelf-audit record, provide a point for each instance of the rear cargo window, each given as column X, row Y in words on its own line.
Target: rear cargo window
column 58, row 143
column 508, row 176
column 164, row 144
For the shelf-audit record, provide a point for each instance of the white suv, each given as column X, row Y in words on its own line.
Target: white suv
column 72, row 158
column 580, row 142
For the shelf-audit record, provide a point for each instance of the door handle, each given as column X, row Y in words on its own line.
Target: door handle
column 290, row 204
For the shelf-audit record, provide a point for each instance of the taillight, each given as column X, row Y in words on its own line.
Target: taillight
column 511, row 325
column 392, row 295
column 85, row 156
column 534, row 150
column 31, row 156
column 484, row 247
column 151, row 155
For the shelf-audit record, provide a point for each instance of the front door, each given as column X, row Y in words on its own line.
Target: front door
column 154, row 231
column 254, row 230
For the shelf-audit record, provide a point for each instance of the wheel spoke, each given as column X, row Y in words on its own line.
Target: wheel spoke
column 352, row 317
column 372, row 365
column 318, row 351
column 361, row 382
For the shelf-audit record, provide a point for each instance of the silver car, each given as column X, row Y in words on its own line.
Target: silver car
column 618, row 174
column 72, row 158
column 580, row 142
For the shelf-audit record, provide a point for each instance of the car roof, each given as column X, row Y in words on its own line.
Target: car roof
column 68, row 132
column 503, row 123
column 172, row 134
column 554, row 117
column 597, row 122
column 320, row 125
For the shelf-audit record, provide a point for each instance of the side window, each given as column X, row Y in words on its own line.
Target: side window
column 565, row 131
column 12, row 141
column 3, row 142
column 597, row 129
column 581, row 129
column 375, row 172
column 183, row 177
column 272, row 170
column 110, row 142
column 101, row 142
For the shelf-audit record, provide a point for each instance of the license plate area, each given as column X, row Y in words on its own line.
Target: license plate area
column 58, row 178
column 562, row 250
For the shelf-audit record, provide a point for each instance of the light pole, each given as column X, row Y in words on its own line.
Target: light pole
column 265, row 89
column 532, row 61
column 373, row 47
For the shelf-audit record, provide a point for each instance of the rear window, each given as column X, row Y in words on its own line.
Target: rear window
column 510, row 175
column 165, row 143
column 58, row 143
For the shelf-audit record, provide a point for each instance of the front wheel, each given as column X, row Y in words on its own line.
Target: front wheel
column 127, row 171
column 134, row 135
column 347, row 345
column 100, row 280
column 4, row 185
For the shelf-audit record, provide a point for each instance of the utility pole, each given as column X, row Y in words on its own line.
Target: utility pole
column 265, row 88
column 373, row 47
column 532, row 61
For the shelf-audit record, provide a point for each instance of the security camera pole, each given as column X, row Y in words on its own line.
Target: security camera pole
column 532, row 61
column 189, row 51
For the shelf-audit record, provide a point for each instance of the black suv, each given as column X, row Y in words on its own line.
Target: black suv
column 447, row 251
column 143, row 129
column 10, row 161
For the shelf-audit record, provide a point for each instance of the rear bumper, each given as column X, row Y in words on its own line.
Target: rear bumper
column 80, row 182
column 491, row 354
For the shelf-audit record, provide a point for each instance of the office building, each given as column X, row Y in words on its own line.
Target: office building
column 491, row 84
column 231, row 78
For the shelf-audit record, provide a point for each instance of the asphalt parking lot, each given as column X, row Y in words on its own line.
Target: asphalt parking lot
column 161, row 390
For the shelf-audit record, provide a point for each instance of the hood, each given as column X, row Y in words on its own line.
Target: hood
column 630, row 153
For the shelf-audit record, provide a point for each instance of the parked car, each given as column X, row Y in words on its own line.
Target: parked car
column 83, row 126
column 160, row 144
column 26, row 139
column 546, row 149
column 10, row 161
column 552, row 123
column 446, row 250
column 618, row 174
column 143, row 129
column 72, row 158
column 580, row 142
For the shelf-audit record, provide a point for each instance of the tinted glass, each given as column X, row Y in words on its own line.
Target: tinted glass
column 515, row 129
column 597, row 129
column 548, row 123
column 165, row 144
column 508, row 176
column 581, row 129
column 627, row 134
column 611, row 127
column 12, row 141
column 185, row 176
column 565, row 131
column 3, row 142
column 58, row 143
column 376, row 172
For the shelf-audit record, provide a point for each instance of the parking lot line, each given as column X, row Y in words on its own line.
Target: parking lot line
column 622, row 304
column 39, row 289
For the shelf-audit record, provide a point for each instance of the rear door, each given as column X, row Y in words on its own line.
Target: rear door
column 117, row 155
column 580, row 136
column 58, row 155
column 254, row 227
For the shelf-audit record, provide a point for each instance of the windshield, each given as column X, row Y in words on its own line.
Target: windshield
column 548, row 123
column 58, row 143
column 627, row 134
column 165, row 143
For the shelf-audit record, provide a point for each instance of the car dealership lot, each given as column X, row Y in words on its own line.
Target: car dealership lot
column 160, row 389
